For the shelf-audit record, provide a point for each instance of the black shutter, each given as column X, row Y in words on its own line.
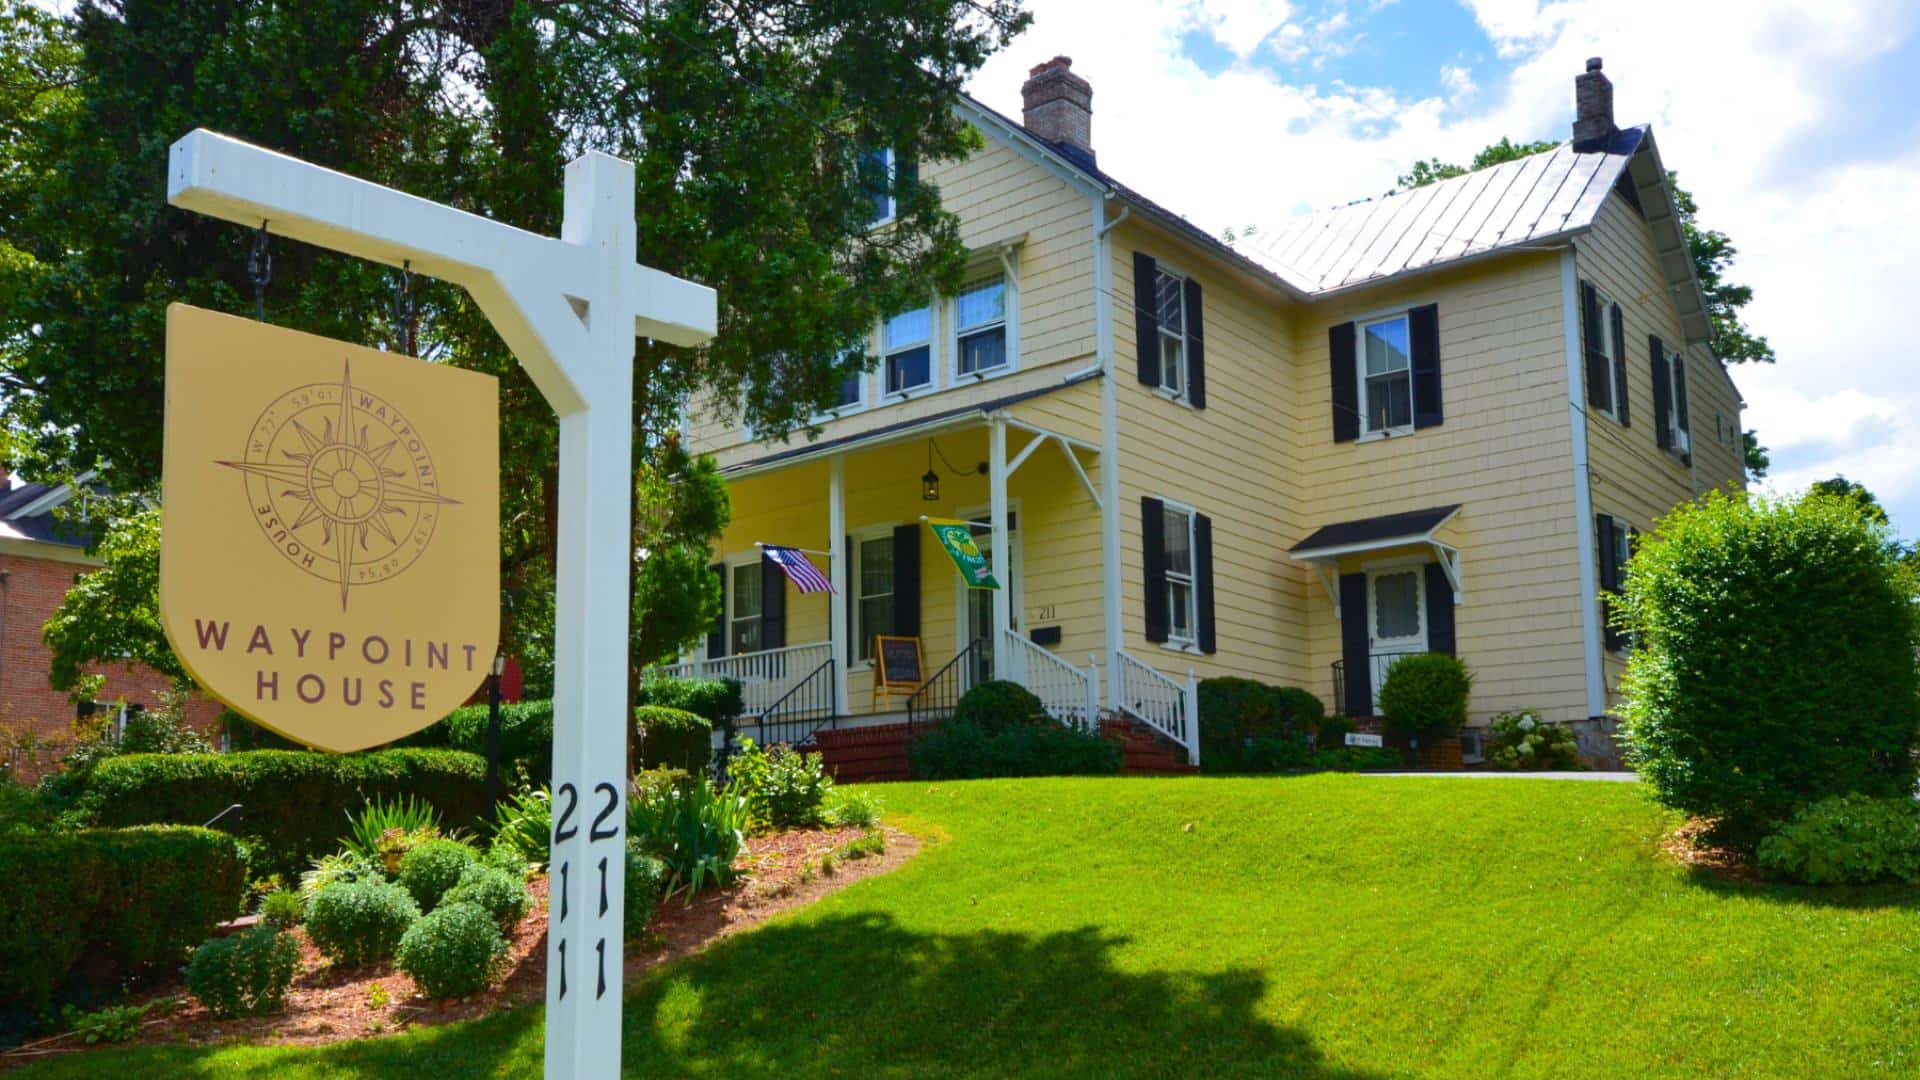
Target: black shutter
column 906, row 176
column 906, row 580
column 1345, row 378
column 1609, row 577
column 1203, row 578
column 717, row 637
column 1620, row 396
column 1423, row 333
column 1153, row 559
column 1662, row 395
column 1440, row 637
column 1599, row 388
column 1146, row 318
column 773, row 604
column 1353, row 646
column 1196, row 349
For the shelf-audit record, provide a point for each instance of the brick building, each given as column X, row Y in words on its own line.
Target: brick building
column 40, row 559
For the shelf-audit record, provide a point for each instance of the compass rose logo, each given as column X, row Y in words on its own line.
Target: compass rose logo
column 341, row 483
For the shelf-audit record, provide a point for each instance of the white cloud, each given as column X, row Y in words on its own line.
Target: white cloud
column 1828, row 243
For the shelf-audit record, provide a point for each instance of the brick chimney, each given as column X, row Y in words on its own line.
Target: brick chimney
column 1057, row 105
column 1593, row 107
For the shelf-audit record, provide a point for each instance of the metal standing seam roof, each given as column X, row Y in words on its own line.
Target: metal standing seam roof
column 1527, row 201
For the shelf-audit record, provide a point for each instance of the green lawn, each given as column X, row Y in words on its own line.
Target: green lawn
column 1326, row 926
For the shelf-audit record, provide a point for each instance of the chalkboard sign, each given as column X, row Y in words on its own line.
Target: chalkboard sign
column 899, row 662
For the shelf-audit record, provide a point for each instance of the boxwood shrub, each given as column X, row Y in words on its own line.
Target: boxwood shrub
column 131, row 900
column 1426, row 694
column 1774, row 664
column 1248, row 726
column 433, row 867
column 244, row 974
column 961, row 751
column 295, row 802
column 453, row 951
column 718, row 700
column 673, row 738
column 501, row 893
column 358, row 923
column 998, row 705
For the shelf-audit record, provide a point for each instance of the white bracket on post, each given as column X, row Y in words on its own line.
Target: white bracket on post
column 570, row 309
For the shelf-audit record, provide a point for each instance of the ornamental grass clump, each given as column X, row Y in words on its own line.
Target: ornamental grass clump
column 453, row 951
column 697, row 829
column 245, row 974
column 1775, row 660
column 358, row 923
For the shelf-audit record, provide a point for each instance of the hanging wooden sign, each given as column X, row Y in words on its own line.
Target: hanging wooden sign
column 329, row 556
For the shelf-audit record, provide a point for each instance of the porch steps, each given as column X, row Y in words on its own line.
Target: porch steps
column 1144, row 751
column 862, row 754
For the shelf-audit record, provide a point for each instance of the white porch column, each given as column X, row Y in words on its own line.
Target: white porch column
column 997, row 511
column 837, row 628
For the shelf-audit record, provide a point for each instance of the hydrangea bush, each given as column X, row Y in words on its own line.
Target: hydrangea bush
column 1521, row 740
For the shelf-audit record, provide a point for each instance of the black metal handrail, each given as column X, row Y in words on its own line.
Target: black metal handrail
column 940, row 694
column 798, row 713
column 1340, row 686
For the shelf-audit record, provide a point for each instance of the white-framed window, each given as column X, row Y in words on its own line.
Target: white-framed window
column 1182, row 606
column 881, row 166
column 873, row 583
column 1386, row 376
column 1170, row 307
column 1610, row 346
column 907, row 351
column 745, row 605
column 982, row 345
column 1679, row 439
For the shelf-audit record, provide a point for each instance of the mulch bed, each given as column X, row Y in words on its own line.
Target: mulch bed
column 1690, row 845
column 783, row 871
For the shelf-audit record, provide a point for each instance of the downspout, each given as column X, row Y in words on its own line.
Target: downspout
column 1583, row 530
column 1109, row 438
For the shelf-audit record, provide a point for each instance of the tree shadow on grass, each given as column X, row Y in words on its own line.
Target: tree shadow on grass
column 1845, row 897
column 862, row 995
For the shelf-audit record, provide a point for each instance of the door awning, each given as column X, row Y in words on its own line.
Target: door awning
column 1410, row 528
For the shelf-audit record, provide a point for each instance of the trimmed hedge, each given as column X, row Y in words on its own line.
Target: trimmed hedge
column 129, row 900
column 999, row 705
column 295, row 802
column 673, row 738
column 718, row 700
column 1248, row 726
column 526, row 737
column 959, row 751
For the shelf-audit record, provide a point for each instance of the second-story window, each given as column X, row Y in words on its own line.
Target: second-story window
column 879, row 168
column 1169, row 298
column 980, row 318
column 908, row 344
column 1386, row 377
column 1671, row 428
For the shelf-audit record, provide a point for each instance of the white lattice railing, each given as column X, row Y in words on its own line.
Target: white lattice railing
column 1166, row 705
column 764, row 677
column 1069, row 694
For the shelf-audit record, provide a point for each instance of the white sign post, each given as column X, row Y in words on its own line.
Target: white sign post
column 570, row 310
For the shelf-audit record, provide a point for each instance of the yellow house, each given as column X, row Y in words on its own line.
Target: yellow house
column 1430, row 421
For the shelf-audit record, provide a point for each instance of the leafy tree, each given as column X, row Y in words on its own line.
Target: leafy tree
column 1775, row 658
column 1434, row 170
column 1840, row 487
column 683, row 507
column 752, row 127
column 113, row 614
column 1756, row 455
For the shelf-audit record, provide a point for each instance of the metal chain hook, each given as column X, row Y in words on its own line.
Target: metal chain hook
column 403, row 308
column 260, row 271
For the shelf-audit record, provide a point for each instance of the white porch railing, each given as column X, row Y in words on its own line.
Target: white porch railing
column 1069, row 694
column 764, row 677
column 1168, row 706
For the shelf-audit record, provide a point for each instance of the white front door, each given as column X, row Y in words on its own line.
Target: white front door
column 1396, row 619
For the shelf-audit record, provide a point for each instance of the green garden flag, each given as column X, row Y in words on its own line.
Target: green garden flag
column 957, row 538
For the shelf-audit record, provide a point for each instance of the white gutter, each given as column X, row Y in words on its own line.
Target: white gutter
column 1583, row 529
column 1109, row 440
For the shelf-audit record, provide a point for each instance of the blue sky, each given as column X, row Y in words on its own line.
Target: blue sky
column 1792, row 122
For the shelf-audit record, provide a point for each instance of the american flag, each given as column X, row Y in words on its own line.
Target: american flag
column 799, row 569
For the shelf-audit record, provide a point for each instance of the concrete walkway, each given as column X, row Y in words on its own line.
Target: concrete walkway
column 1605, row 777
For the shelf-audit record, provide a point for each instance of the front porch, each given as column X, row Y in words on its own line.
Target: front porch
column 857, row 509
